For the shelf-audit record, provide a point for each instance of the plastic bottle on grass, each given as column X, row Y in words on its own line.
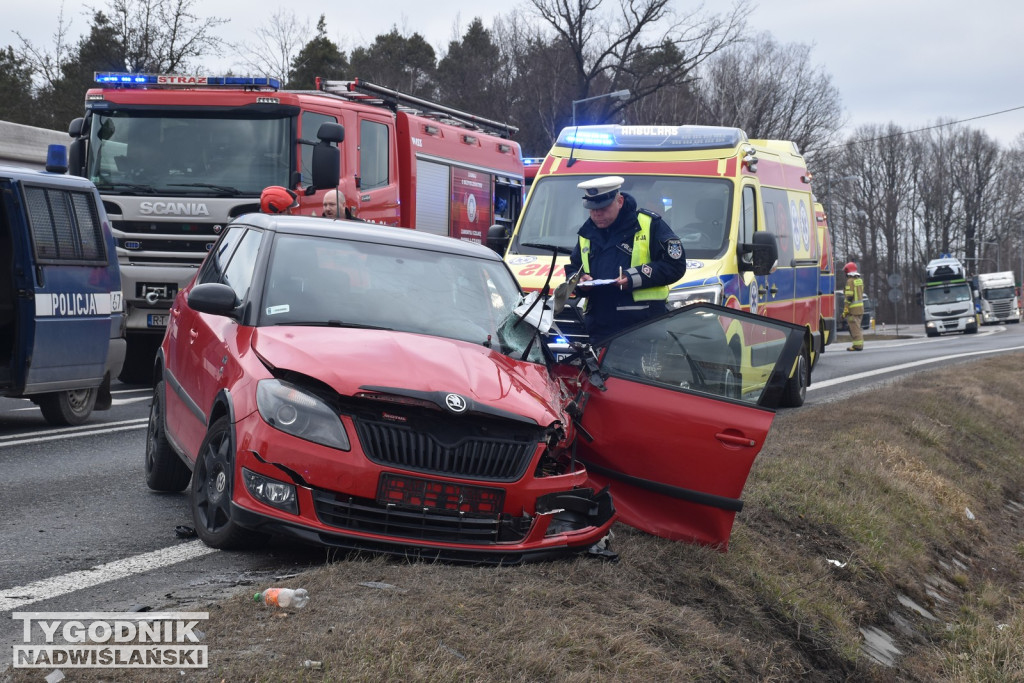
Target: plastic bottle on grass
column 295, row 598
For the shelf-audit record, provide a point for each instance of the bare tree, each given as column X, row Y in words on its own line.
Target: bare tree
column 770, row 91
column 976, row 157
column 643, row 46
column 272, row 51
column 163, row 35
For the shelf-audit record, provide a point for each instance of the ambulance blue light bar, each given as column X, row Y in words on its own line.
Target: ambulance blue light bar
column 651, row 137
column 116, row 78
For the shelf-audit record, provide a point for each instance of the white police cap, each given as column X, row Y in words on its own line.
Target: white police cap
column 599, row 192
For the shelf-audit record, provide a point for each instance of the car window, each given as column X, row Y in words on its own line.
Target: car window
column 702, row 349
column 214, row 265
column 238, row 274
column 65, row 225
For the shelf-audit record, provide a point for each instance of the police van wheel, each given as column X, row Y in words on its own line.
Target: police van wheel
column 795, row 393
column 165, row 471
column 67, row 407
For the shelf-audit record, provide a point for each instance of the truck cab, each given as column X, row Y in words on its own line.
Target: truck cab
column 61, row 322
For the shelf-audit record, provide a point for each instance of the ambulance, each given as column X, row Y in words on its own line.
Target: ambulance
column 755, row 239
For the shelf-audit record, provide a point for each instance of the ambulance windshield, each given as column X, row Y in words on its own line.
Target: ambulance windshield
column 697, row 209
column 139, row 152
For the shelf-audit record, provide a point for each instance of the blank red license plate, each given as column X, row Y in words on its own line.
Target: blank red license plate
column 439, row 495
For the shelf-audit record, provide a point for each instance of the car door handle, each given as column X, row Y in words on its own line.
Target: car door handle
column 774, row 290
column 735, row 440
column 192, row 334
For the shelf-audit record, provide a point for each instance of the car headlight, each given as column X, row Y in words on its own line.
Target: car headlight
column 297, row 412
column 679, row 297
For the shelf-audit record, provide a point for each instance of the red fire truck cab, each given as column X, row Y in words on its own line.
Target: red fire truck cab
column 176, row 158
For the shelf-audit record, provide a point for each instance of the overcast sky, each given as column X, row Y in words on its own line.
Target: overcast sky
column 911, row 62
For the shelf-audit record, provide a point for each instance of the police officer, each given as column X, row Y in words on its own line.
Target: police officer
column 853, row 306
column 634, row 248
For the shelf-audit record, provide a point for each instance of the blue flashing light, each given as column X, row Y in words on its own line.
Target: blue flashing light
column 57, row 159
column 651, row 137
column 116, row 78
column 533, row 161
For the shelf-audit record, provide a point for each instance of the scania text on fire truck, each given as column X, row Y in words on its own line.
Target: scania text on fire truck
column 176, row 158
column 743, row 208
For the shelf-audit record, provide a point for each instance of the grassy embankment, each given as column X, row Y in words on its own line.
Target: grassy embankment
column 897, row 513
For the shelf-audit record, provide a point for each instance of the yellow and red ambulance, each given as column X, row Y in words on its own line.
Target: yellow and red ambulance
column 726, row 196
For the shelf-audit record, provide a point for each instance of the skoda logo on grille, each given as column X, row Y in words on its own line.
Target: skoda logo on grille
column 455, row 403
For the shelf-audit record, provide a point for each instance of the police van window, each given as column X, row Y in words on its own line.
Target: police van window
column 748, row 219
column 310, row 123
column 238, row 274
column 65, row 225
column 373, row 155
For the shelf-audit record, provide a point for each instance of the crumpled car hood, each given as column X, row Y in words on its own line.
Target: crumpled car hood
column 348, row 359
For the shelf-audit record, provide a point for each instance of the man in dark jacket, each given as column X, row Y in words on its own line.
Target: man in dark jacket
column 630, row 257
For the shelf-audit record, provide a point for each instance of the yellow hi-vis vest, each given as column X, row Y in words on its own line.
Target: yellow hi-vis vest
column 854, row 295
column 641, row 255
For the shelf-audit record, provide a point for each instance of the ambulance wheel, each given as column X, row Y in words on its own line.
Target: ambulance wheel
column 795, row 392
column 67, row 407
column 165, row 471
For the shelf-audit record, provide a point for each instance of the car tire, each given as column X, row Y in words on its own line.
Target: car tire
column 165, row 471
column 212, row 486
column 795, row 392
column 71, row 407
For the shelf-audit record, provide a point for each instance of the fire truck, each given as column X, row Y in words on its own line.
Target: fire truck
column 175, row 158
column 754, row 236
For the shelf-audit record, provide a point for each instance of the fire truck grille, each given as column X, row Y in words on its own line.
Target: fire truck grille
column 436, row 450
column 368, row 516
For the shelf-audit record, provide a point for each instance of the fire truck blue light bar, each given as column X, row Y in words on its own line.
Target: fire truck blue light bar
column 107, row 77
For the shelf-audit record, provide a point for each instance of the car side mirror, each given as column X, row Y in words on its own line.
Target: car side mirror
column 214, row 298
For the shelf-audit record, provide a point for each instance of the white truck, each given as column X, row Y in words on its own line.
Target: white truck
column 997, row 295
column 947, row 298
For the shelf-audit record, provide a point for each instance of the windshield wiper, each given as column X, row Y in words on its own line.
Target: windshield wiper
column 149, row 189
column 225, row 189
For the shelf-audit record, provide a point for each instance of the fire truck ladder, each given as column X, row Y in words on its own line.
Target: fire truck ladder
column 359, row 90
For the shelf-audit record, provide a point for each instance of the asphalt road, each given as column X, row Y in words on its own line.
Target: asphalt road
column 81, row 532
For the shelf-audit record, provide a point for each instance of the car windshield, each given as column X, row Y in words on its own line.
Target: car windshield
column 348, row 283
column 697, row 209
column 217, row 155
column 998, row 293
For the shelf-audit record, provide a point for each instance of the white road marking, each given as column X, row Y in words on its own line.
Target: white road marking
column 19, row 596
column 71, row 432
column 125, row 401
column 893, row 368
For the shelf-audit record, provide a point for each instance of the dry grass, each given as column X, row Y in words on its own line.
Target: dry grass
column 879, row 484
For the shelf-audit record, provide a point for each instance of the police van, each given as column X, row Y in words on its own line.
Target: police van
column 61, row 322
column 754, row 236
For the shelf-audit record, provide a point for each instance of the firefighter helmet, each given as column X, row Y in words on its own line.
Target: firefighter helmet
column 277, row 199
column 850, row 267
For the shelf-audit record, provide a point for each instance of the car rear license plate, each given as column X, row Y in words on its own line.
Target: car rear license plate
column 439, row 495
column 157, row 320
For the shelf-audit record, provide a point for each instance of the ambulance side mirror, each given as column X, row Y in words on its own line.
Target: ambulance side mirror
column 762, row 255
column 498, row 237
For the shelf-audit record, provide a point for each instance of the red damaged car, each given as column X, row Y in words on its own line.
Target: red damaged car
column 359, row 386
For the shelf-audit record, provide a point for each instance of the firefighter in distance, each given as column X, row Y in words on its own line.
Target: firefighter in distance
column 853, row 305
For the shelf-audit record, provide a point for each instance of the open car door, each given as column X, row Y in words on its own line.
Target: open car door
column 686, row 404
